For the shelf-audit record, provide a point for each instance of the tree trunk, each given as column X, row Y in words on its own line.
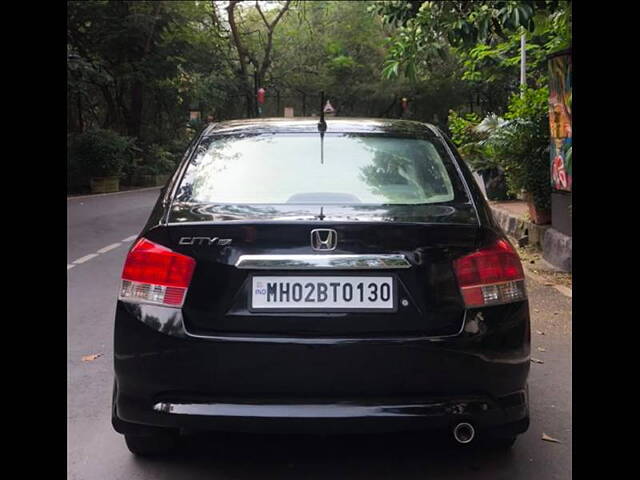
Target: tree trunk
column 250, row 109
column 256, row 85
column 80, row 121
column 112, row 114
column 124, row 110
column 135, row 117
column 72, row 121
column 242, row 56
column 245, row 56
column 386, row 112
column 137, row 90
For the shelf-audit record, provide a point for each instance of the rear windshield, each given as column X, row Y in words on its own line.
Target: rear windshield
column 300, row 169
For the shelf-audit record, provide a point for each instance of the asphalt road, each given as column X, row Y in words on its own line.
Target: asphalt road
column 105, row 226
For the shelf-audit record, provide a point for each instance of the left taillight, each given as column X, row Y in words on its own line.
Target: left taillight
column 156, row 274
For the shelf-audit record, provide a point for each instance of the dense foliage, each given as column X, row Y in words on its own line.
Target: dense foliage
column 483, row 31
column 516, row 145
column 97, row 153
column 137, row 69
column 522, row 146
column 485, row 37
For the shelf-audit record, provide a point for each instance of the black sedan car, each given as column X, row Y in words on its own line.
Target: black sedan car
column 302, row 276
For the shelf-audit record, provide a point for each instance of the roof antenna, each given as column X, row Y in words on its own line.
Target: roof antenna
column 322, row 127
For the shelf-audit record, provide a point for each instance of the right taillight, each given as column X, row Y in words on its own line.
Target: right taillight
column 490, row 276
column 156, row 274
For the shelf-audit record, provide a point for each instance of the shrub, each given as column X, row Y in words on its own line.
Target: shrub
column 517, row 145
column 130, row 170
column 522, row 145
column 472, row 137
column 195, row 124
column 156, row 160
column 178, row 147
column 97, row 153
column 162, row 159
column 461, row 127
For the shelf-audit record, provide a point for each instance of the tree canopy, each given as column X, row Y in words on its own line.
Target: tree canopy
column 138, row 68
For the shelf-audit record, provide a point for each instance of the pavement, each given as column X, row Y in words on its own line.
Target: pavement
column 518, row 208
column 101, row 229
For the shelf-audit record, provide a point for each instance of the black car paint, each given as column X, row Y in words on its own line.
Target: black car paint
column 460, row 363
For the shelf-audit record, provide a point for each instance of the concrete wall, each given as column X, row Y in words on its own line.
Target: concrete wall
column 561, row 212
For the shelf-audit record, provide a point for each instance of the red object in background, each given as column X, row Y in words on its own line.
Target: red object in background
column 405, row 104
column 260, row 95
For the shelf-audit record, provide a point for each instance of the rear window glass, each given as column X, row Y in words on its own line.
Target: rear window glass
column 298, row 169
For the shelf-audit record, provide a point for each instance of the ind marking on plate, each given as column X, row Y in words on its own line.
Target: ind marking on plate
column 325, row 292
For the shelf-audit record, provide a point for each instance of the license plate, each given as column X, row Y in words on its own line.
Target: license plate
column 323, row 293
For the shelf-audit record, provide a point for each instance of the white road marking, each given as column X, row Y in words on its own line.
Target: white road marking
column 102, row 250
column 85, row 258
column 109, row 247
column 135, row 190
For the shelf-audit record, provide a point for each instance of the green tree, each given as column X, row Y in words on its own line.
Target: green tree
column 256, row 50
column 336, row 47
column 483, row 35
column 136, row 67
column 133, row 64
column 522, row 146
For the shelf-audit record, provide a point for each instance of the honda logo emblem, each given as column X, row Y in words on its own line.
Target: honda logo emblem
column 324, row 239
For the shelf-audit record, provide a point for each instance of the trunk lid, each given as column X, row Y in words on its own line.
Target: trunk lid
column 219, row 298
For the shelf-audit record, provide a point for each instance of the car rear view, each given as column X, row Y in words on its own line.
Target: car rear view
column 297, row 280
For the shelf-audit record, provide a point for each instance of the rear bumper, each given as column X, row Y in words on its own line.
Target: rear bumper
column 323, row 418
column 166, row 378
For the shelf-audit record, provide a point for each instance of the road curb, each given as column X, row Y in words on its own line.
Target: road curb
column 556, row 246
column 566, row 291
column 80, row 197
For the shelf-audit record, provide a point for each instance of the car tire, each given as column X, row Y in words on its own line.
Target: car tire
column 151, row 445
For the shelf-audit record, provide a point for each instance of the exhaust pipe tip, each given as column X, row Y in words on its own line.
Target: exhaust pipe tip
column 464, row 433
